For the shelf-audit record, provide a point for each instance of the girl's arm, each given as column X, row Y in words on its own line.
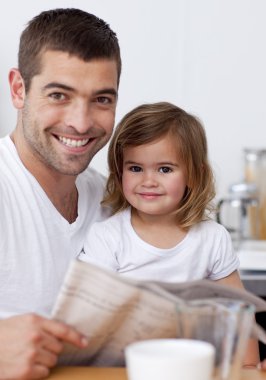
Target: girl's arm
column 252, row 353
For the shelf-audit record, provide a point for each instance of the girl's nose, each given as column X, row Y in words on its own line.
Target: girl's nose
column 149, row 179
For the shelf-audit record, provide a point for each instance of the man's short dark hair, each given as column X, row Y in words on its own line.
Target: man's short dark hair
column 68, row 30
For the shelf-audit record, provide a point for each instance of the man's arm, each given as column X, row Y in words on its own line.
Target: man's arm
column 30, row 345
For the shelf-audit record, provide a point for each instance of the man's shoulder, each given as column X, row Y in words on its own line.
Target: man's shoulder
column 91, row 188
column 92, row 178
column 116, row 222
column 5, row 145
column 9, row 159
column 6, row 141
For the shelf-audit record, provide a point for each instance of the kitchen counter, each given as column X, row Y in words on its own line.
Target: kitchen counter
column 254, row 281
column 252, row 256
column 91, row 373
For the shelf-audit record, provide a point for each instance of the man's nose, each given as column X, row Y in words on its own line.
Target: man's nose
column 80, row 117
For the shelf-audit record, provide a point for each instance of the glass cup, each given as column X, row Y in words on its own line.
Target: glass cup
column 225, row 323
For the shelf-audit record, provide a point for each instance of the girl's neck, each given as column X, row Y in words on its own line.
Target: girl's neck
column 161, row 231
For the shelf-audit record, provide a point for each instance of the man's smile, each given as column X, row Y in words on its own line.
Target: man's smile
column 73, row 143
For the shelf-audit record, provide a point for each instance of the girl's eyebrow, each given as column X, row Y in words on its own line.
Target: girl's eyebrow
column 128, row 162
column 167, row 163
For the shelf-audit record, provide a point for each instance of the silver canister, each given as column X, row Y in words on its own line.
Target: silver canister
column 239, row 212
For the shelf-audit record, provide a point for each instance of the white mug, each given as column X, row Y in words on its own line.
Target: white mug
column 170, row 359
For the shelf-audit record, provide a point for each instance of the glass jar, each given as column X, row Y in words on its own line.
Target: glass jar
column 255, row 172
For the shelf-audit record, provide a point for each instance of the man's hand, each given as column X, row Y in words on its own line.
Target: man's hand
column 30, row 344
column 262, row 365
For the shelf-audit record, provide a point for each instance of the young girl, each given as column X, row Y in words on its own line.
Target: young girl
column 160, row 188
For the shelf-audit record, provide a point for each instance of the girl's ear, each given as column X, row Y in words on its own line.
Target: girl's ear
column 17, row 88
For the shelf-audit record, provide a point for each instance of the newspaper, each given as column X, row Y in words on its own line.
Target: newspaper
column 113, row 311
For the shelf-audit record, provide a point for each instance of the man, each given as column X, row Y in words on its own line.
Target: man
column 65, row 91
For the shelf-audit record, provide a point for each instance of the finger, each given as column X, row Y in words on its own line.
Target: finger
column 36, row 371
column 262, row 365
column 52, row 343
column 39, row 371
column 46, row 358
column 64, row 332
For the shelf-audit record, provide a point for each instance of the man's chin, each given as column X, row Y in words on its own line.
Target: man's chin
column 73, row 172
column 69, row 169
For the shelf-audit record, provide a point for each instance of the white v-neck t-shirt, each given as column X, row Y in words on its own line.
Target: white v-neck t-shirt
column 36, row 242
column 205, row 253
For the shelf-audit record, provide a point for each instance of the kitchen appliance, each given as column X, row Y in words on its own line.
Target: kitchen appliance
column 239, row 212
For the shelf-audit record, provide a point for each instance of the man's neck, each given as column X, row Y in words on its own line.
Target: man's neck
column 60, row 189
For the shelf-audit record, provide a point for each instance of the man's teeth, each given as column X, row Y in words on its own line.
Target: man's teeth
column 73, row 143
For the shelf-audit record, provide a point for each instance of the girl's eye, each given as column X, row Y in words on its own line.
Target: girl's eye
column 135, row 169
column 165, row 169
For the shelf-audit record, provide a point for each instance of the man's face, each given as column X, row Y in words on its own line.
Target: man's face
column 68, row 113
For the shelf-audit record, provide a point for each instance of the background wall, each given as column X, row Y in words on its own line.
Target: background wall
column 206, row 56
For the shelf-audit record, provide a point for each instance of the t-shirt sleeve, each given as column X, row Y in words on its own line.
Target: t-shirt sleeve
column 100, row 247
column 225, row 260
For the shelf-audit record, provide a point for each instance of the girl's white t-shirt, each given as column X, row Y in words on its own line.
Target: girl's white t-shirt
column 205, row 253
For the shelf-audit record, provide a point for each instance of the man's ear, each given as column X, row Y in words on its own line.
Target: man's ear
column 17, row 88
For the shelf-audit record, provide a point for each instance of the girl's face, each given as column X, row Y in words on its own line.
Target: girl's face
column 153, row 177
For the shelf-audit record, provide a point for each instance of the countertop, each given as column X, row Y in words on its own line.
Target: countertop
column 92, row 373
column 252, row 256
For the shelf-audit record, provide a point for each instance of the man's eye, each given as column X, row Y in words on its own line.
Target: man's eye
column 103, row 100
column 165, row 169
column 57, row 96
column 135, row 169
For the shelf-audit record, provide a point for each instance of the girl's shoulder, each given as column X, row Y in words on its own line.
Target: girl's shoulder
column 210, row 227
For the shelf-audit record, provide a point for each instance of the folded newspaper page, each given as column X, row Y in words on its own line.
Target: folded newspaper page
column 114, row 311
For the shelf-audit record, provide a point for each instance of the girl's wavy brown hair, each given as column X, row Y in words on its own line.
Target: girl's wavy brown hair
column 150, row 122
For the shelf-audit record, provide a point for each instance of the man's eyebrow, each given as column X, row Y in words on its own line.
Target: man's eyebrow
column 58, row 85
column 110, row 91
column 62, row 86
